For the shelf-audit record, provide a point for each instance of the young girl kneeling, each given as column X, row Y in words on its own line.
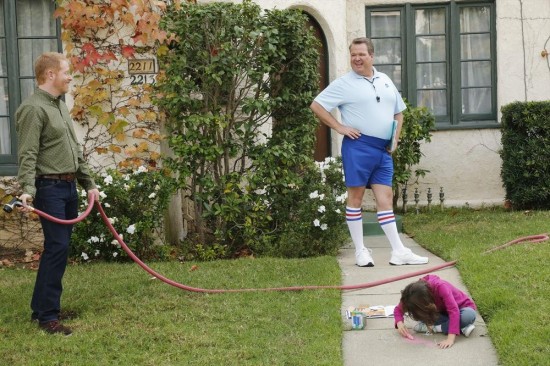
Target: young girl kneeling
column 438, row 306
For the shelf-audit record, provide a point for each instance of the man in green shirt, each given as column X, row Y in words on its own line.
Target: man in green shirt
column 50, row 164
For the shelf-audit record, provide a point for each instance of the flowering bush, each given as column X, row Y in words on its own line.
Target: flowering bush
column 135, row 202
column 311, row 215
column 235, row 92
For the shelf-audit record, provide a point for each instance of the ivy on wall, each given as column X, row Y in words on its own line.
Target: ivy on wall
column 103, row 39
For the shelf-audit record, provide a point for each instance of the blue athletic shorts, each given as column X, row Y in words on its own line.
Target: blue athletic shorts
column 366, row 161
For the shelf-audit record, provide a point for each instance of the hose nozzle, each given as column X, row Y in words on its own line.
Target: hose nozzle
column 8, row 207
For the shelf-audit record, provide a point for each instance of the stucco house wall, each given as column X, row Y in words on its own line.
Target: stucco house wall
column 466, row 163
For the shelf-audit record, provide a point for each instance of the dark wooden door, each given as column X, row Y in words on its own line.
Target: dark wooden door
column 322, row 145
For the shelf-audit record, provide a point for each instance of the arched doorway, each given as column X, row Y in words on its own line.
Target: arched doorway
column 322, row 145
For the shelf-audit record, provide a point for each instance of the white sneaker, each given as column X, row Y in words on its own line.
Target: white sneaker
column 421, row 327
column 406, row 257
column 364, row 258
column 467, row 330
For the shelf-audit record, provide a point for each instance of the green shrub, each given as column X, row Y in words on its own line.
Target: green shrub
column 526, row 154
column 417, row 125
column 235, row 87
column 311, row 215
column 135, row 202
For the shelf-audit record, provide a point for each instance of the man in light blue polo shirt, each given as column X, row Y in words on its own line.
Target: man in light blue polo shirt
column 369, row 103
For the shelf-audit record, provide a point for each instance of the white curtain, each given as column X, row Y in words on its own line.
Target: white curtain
column 386, row 37
column 34, row 18
column 475, row 55
column 5, row 143
column 431, row 59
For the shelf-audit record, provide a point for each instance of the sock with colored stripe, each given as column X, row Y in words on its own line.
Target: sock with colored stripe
column 354, row 219
column 386, row 219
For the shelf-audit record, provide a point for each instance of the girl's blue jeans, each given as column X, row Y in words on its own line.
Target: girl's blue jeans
column 467, row 317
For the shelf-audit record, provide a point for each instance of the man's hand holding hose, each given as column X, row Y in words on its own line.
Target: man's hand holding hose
column 26, row 199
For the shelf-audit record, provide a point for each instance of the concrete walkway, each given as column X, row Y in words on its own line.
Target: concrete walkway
column 379, row 343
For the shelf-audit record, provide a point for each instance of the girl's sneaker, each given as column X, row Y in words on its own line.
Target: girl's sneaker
column 421, row 327
column 467, row 330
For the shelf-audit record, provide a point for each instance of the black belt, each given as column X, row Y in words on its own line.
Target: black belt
column 68, row 177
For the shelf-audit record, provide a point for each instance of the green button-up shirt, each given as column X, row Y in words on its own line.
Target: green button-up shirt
column 47, row 142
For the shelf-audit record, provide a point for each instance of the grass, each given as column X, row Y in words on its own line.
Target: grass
column 511, row 286
column 126, row 318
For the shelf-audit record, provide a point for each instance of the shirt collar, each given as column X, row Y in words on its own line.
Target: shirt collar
column 375, row 74
column 47, row 95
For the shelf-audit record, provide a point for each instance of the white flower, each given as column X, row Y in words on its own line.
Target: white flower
column 316, row 222
column 94, row 239
column 102, row 195
column 141, row 169
column 84, row 256
column 261, row 192
column 152, row 195
column 338, row 211
column 108, row 180
column 157, row 187
column 96, row 252
column 115, row 242
column 112, row 220
column 341, row 198
column 321, row 209
column 106, row 205
column 321, row 196
column 126, row 187
column 115, row 254
column 126, row 177
column 314, row 194
column 84, row 193
column 324, row 227
column 131, row 229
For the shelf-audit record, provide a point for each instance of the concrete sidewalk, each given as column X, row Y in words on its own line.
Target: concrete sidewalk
column 379, row 343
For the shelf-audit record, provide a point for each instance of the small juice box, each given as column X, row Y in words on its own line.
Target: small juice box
column 357, row 320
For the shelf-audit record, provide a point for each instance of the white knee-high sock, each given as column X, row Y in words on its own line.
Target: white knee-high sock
column 387, row 222
column 354, row 219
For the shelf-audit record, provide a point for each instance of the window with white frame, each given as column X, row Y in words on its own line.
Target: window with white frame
column 27, row 29
column 441, row 56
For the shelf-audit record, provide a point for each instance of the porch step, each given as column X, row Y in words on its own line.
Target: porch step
column 372, row 227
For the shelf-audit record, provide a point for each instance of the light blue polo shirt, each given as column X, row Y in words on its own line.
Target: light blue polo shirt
column 355, row 97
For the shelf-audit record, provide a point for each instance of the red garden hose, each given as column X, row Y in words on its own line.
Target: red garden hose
column 534, row 238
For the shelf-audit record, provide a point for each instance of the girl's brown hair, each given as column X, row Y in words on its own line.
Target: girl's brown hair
column 417, row 300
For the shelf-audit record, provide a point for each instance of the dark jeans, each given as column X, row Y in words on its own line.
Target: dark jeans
column 58, row 199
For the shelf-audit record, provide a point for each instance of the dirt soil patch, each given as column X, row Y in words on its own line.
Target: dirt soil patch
column 19, row 258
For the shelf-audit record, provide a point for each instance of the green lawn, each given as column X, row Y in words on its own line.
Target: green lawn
column 127, row 318
column 510, row 286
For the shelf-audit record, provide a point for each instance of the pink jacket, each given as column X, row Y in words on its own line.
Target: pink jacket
column 448, row 299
